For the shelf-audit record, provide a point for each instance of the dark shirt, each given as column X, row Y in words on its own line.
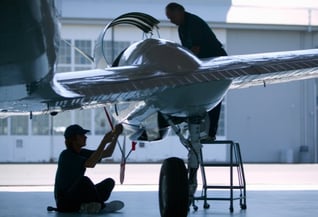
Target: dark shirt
column 196, row 32
column 70, row 168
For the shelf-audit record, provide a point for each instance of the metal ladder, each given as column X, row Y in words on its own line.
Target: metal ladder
column 235, row 161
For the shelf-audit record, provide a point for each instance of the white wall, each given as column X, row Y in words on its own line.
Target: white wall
column 48, row 148
column 271, row 121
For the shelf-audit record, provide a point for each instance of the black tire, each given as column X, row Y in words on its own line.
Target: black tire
column 173, row 189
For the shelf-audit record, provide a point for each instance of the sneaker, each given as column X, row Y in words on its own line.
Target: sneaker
column 113, row 206
column 90, row 208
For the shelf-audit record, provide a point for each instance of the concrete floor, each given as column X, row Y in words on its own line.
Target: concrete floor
column 272, row 190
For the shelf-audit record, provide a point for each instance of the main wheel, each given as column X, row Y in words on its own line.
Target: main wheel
column 173, row 188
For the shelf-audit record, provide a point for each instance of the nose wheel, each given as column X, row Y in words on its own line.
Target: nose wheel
column 173, row 188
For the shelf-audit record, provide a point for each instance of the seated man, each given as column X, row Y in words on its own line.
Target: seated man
column 75, row 192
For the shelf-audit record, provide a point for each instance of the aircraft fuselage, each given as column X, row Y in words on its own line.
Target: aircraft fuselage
column 28, row 50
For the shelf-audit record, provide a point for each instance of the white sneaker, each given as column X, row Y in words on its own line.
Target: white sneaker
column 90, row 208
column 113, row 206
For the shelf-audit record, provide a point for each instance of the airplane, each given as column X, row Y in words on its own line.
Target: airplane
column 152, row 86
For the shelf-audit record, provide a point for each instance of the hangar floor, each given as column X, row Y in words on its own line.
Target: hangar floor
column 272, row 190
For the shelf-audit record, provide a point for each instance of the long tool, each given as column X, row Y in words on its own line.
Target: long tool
column 122, row 149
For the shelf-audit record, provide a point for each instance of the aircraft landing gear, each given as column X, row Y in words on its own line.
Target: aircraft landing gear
column 177, row 185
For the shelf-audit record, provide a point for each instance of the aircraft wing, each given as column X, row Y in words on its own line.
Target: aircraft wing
column 263, row 69
column 114, row 84
column 138, row 82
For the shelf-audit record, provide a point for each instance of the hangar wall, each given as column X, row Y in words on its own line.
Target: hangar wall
column 275, row 123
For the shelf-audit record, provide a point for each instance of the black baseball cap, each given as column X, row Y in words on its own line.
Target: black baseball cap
column 73, row 130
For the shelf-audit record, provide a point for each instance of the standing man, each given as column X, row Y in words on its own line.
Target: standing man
column 75, row 192
column 196, row 35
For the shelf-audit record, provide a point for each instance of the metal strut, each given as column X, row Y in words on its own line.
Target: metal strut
column 194, row 155
column 177, row 131
column 193, row 145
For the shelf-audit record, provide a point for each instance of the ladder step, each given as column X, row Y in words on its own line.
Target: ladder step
column 217, row 198
column 223, row 187
column 221, row 164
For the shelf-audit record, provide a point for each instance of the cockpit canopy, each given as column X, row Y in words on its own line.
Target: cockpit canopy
column 158, row 52
column 165, row 54
column 144, row 22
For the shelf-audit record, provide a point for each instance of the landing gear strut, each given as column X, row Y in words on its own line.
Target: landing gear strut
column 177, row 185
column 194, row 154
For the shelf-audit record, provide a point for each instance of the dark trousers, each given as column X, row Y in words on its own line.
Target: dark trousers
column 214, row 116
column 84, row 191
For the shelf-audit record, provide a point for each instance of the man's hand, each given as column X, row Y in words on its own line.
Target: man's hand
column 108, row 137
column 118, row 129
column 114, row 136
column 196, row 50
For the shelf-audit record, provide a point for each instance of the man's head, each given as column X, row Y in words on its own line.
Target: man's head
column 175, row 13
column 75, row 136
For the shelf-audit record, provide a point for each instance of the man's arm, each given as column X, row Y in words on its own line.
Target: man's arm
column 196, row 31
column 99, row 153
column 108, row 152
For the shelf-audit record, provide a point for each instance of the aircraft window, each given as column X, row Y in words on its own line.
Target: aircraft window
column 64, row 54
column 19, row 125
column 40, row 125
column 3, row 126
column 86, row 47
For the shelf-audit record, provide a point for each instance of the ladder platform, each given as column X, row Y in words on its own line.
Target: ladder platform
column 223, row 187
column 235, row 161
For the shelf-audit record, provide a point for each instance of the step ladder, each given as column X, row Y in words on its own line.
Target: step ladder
column 235, row 161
